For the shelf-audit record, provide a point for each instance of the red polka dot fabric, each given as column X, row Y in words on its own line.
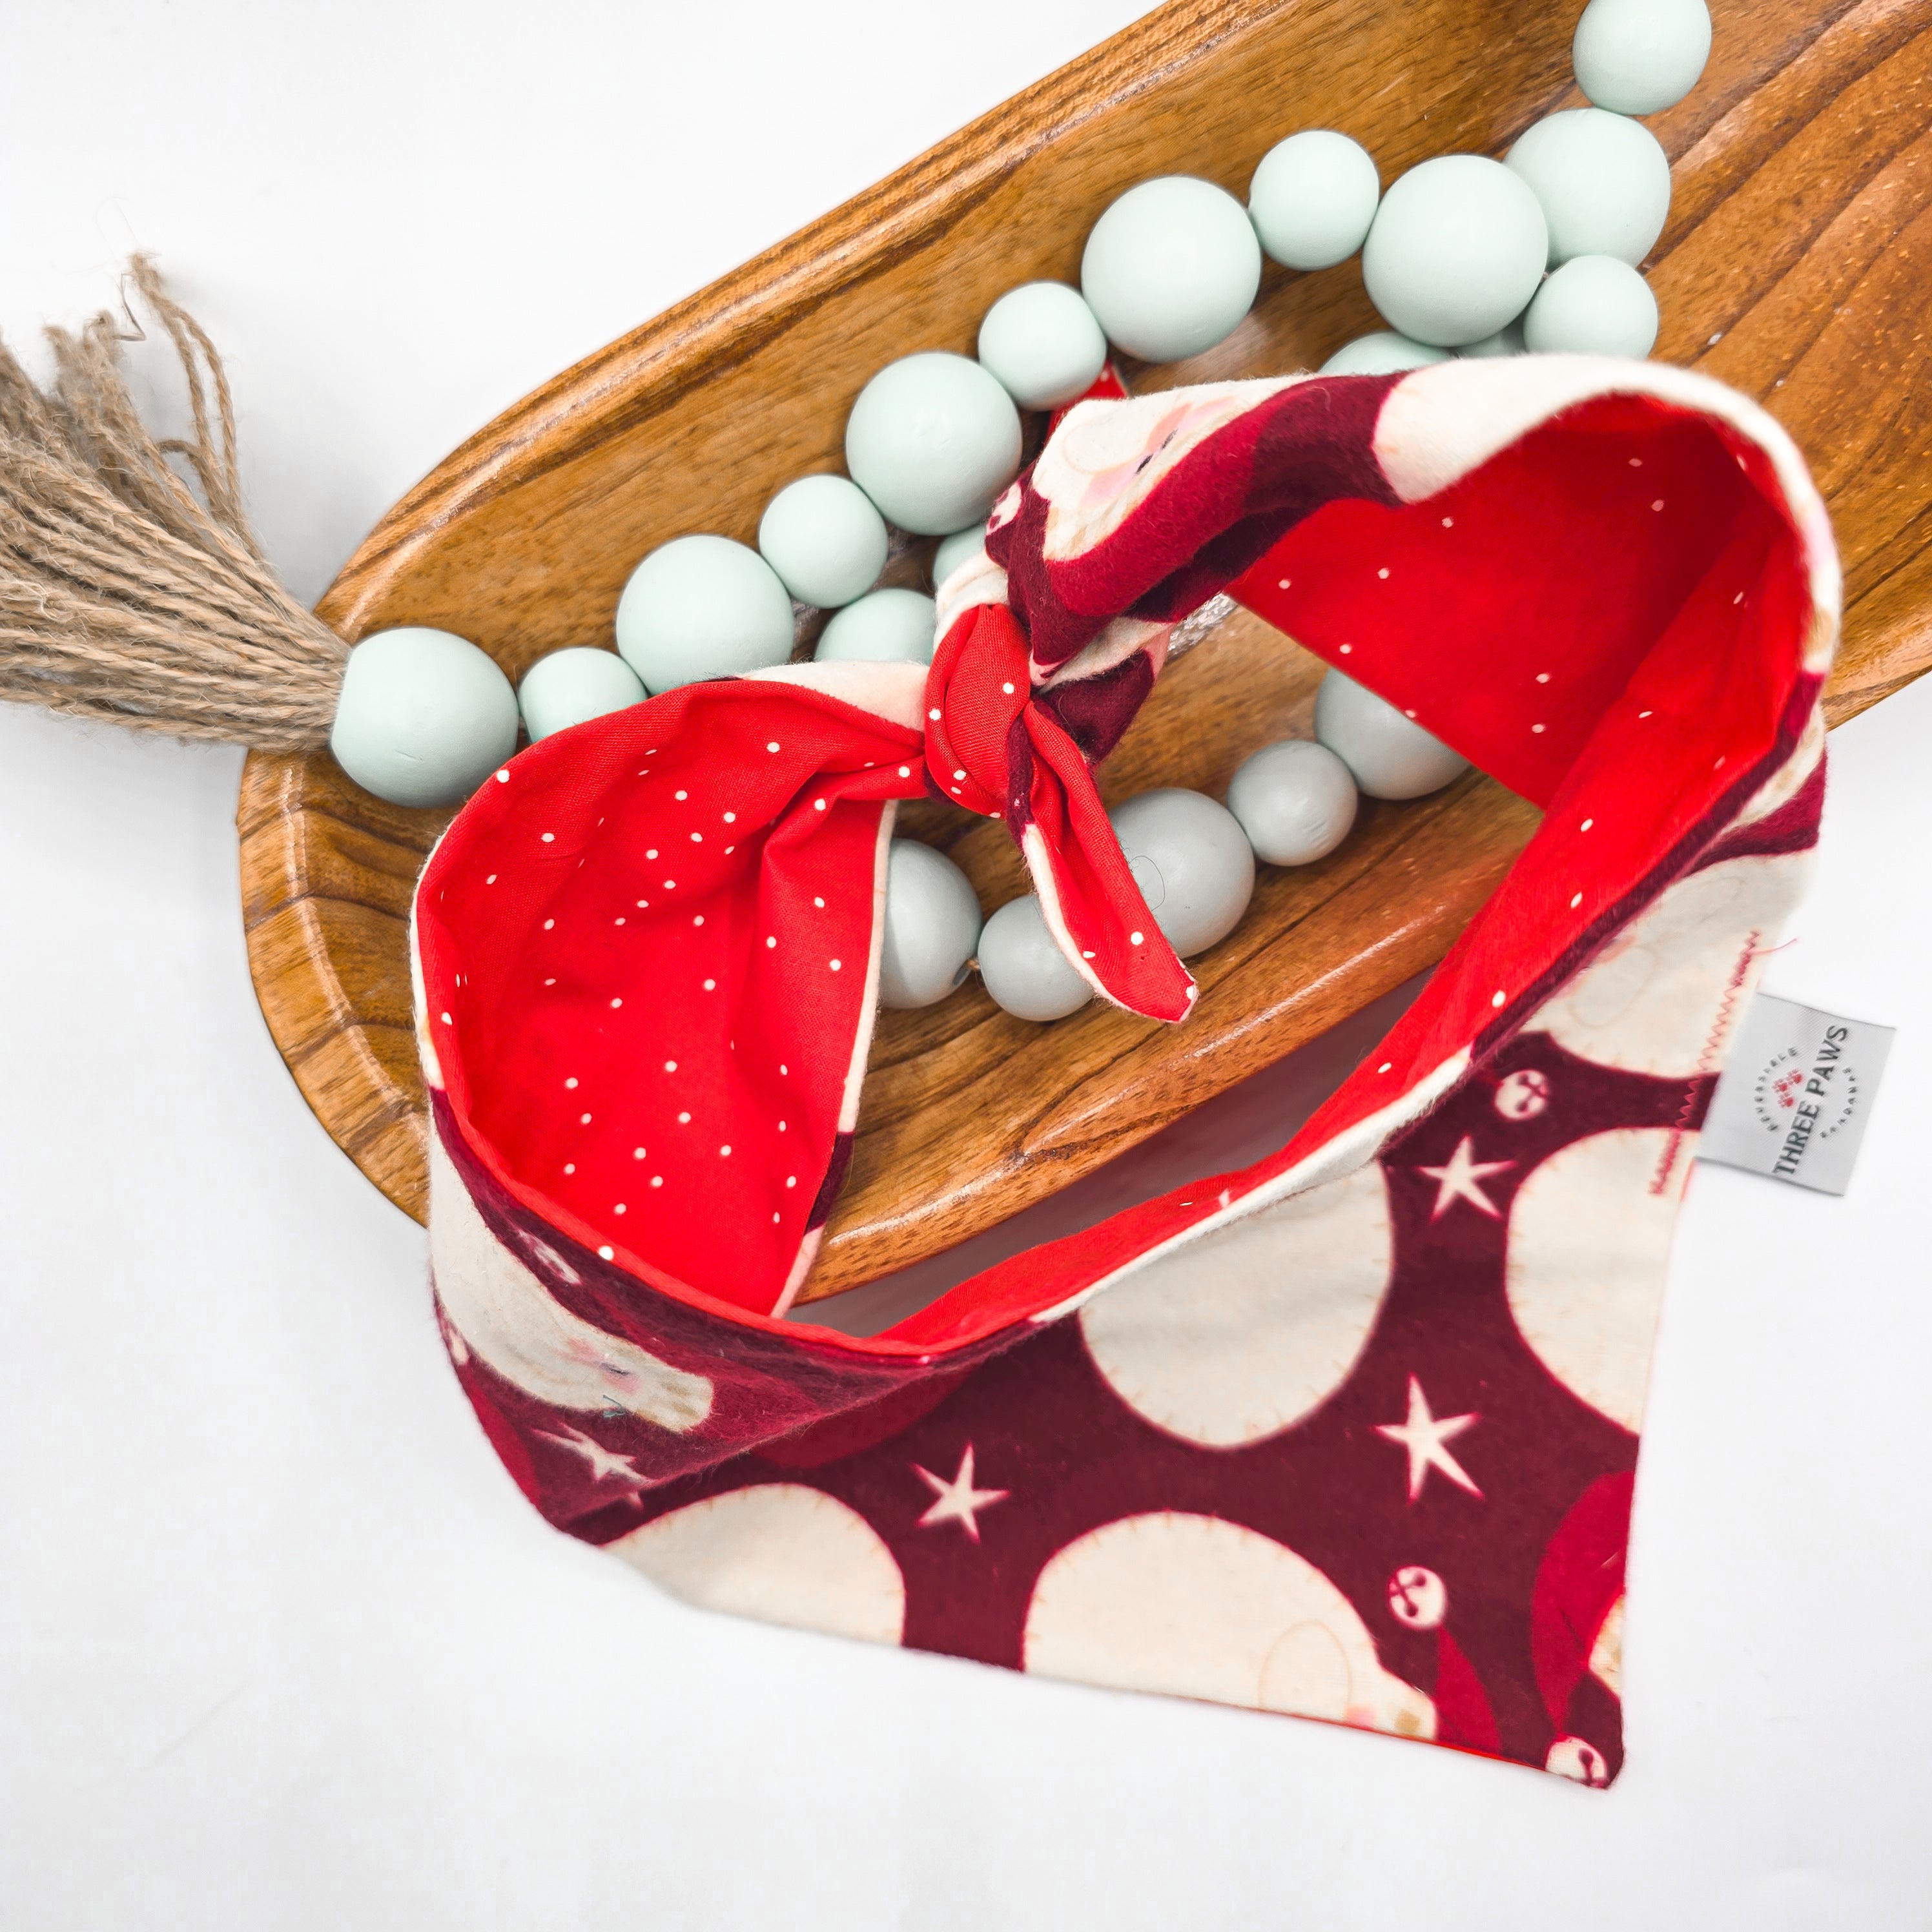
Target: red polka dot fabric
column 1349, row 1433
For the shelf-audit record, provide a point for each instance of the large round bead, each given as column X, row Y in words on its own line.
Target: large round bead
column 702, row 607
column 932, row 925
column 1042, row 343
column 1390, row 756
column 569, row 686
column 1507, row 341
column 825, row 540
column 1295, row 800
column 1312, row 198
column 1602, row 179
column 933, row 439
column 1383, row 353
column 423, row 716
column 888, row 626
column 955, row 550
column 1171, row 268
column 1641, row 56
column 1593, row 304
column 1192, row 863
column 1023, row 970
column 1458, row 247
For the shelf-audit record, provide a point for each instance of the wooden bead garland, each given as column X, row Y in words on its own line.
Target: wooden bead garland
column 1455, row 254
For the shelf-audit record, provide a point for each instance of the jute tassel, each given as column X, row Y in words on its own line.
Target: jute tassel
column 124, row 596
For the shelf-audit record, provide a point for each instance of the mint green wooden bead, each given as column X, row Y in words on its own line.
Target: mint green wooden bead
column 825, row 540
column 1381, row 354
column 1295, row 800
column 1507, row 341
column 1023, row 970
column 1171, row 268
column 702, row 607
column 1390, row 755
column 569, row 686
column 1641, row 56
column 424, row 717
column 954, row 550
column 1458, row 247
column 1594, row 305
column 1192, row 861
column 1312, row 198
column 1602, row 179
column 1042, row 342
column 883, row 627
column 932, row 925
column 933, row 439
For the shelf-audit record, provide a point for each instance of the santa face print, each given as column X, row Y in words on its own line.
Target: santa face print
column 1103, row 463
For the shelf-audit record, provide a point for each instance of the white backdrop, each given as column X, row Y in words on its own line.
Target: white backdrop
column 280, row 1644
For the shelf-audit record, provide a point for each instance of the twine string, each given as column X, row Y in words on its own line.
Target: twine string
column 124, row 594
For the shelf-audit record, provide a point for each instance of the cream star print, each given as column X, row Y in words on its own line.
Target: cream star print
column 1461, row 1178
column 601, row 1462
column 957, row 1501
column 1426, row 1437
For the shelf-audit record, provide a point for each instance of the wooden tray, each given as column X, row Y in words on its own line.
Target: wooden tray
column 1797, row 266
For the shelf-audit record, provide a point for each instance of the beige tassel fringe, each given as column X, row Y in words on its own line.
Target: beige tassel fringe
column 123, row 595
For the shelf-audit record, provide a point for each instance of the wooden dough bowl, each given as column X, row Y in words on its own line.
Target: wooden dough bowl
column 1797, row 266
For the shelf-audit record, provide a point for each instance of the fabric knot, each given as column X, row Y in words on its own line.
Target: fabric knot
column 998, row 745
column 649, row 950
column 977, row 694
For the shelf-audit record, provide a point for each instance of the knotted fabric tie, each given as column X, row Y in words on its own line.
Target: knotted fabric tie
column 650, row 947
column 1136, row 515
column 995, row 744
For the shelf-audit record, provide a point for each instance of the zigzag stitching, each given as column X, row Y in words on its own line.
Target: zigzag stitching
column 1720, row 1026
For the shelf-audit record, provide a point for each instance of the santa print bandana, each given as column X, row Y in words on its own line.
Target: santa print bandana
column 1349, row 1432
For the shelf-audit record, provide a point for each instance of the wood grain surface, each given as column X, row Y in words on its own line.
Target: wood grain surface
column 1797, row 266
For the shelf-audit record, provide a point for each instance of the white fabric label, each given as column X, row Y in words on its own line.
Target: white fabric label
column 1793, row 1101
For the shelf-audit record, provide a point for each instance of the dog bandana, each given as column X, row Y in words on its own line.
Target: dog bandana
column 1349, row 1433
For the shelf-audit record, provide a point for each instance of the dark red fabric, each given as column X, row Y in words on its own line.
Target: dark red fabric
column 1527, row 1569
column 564, row 959
column 1203, row 522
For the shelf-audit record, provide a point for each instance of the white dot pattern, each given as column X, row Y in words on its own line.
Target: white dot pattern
column 639, row 1111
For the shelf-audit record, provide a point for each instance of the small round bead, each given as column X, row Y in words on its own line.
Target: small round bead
column 423, row 716
column 1640, row 56
column 702, row 606
column 1171, row 268
column 1602, row 179
column 1507, row 341
column 1458, row 247
column 933, row 439
column 1312, row 198
column 825, row 540
column 932, row 925
column 1383, row 353
column 569, row 686
column 1594, row 305
column 883, row 627
column 1041, row 341
column 1295, row 800
column 955, row 550
column 1390, row 756
column 1023, row 970
column 1192, row 863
